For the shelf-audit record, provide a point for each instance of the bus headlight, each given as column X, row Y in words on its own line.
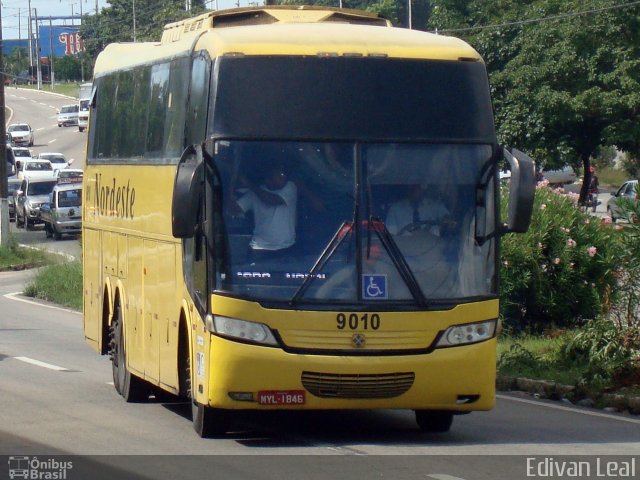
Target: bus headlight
column 468, row 333
column 242, row 330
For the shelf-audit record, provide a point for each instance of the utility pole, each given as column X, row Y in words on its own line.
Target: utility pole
column 30, row 33
column 4, row 187
column 35, row 14
column 52, row 75
column 134, row 21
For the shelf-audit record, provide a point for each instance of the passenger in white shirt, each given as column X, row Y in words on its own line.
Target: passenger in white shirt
column 418, row 210
column 274, row 205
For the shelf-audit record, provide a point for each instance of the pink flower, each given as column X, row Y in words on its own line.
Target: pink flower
column 571, row 243
column 556, row 261
column 606, row 220
column 587, row 221
column 542, row 183
column 592, row 251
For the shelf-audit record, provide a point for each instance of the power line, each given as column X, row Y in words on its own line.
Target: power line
column 542, row 19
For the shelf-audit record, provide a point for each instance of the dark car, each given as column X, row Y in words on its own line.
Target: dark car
column 14, row 185
column 11, row 162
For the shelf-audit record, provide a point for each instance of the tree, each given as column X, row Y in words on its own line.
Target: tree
column 393, row 10
column 17, row 61
column 67, row 68
column 564, row 86
column 115, row 22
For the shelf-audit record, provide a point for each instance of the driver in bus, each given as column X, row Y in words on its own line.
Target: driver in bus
column 274, row 204
column 420, row 209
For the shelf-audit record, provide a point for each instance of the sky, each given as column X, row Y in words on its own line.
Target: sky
column 15, row 16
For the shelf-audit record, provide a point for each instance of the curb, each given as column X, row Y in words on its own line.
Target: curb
column 47, row 92
column 610, row 402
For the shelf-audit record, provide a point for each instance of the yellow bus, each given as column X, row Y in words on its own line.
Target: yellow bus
column 297, row 208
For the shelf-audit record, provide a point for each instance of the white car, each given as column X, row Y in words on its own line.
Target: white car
column 21, row 153
column 561, row 176
column 58, row 160
column 34, row 168
column 68, row 115
column 21, row 134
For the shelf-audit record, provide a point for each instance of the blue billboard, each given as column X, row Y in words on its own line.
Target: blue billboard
column 65, row 40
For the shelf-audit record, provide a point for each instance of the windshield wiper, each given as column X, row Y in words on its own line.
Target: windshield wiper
column 398, row 260
column 343, row 232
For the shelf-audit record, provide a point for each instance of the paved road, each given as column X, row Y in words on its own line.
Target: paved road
column 39, row 110
column 57, row 398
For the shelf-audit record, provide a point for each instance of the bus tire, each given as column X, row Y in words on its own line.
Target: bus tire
column 209, row 422
column 434, row 421
column 128, row 385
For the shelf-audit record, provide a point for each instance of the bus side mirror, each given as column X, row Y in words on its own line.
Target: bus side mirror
column 521, row 191
column 187, row 192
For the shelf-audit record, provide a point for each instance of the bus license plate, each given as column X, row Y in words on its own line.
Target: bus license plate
column 281, row 397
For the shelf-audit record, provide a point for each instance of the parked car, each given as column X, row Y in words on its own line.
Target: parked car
column 561, row 176
column 627, row 190
column 14, row 186
column 34, row 168
column 33, row 192
column 21, row 134
column 69, row 175
column 58, row 160
column 68, row 115
column 63, row 213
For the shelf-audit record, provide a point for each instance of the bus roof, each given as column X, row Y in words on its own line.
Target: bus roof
column 318, row 31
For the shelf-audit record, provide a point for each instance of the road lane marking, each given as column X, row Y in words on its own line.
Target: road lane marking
column 443, row 476
column 51, row 141
column 570, row 409
column 43, row 104
column 14, row 296
column 42, row 364
column 110, row 383
column 38, row 129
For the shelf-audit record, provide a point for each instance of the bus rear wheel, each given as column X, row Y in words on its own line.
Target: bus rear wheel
column 434, row 421
column 132, row 388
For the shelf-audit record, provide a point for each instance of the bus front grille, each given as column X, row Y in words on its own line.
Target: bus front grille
column 330, row 385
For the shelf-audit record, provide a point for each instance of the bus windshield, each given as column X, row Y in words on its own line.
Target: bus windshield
column 349, row 223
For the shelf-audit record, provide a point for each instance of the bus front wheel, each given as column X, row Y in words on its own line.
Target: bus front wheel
column 209, row 422
column 435, row 421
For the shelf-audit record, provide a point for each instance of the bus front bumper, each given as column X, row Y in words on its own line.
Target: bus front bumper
column 242, row 376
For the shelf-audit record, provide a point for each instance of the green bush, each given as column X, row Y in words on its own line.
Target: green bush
column 61, row 284
column 562, row 271
column 609, row 352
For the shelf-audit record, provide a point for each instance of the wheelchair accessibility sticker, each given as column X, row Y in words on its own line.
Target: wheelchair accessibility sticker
column 374, row 287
